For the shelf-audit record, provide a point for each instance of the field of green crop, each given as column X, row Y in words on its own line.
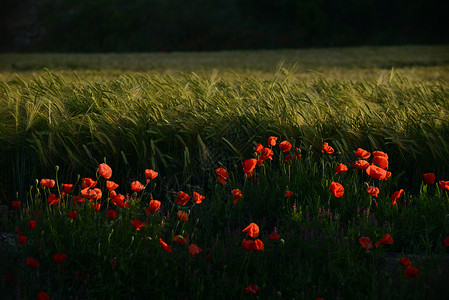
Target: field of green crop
column 189, row 116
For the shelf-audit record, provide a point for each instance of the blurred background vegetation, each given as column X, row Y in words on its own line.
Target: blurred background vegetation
column 203, row 25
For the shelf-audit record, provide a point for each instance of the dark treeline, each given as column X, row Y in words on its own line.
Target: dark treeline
column 179, row 25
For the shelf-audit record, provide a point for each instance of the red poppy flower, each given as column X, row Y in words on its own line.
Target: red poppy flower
column 429, row 178
column 182, row 198
column 362, row 153
column 266, row 153
column 150, row 174
column 78, row 199
column 59, row 258
column 93, row 194
column 381, row 161
column 327, row 148
column 252, row 230
column 112, row 215
column 377, row 172
column 297, row 154
column 444, row 185
column 180, row 239
column 73, row 215
column 96, row 206
column 16, row 204
column 119, row 200
column 274, row 236
column 252, row 289
column 105, row 171
column 374, row 191
column 411, row 272
column 198, row 198
column 272, row 141
column 67, row 187
column 337, row 189
column 341, row 168
column 446, row 242
column 111, row 185
column 9, row 277
column 42, row 296
column 386, row 240
column 22, row 239
column 48, row 183
column 136, row 186
column 366, row 242
column 222, row 175
column 153, row 207
column 285, row 146
column 237, row 195
column 360, row 164
column 137, row 224
column 31, row 224
column 288, row 194
column 248, row 167
column 183, row 216
column 164, row 246
column 396, row 195
column 52, row 199
column 259, row 148
column 288, row 159
column 32, row 263
column 405, row 261
column 248, row 244
column 380, row 153
column 88, row 183
column 194, row 250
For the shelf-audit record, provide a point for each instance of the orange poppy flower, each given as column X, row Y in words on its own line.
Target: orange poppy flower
column 137, row 224
column 248, row 166
column 119, row 200
column 22, row 239
column 194, row 250
column 377, row 172
column 52, row 199
column 444, row 185
column 31, row 224
column 381, row 161
column 396, row 195
column 337, row 189
column 136, row 186
column 259, row 148
column 164, row 246
column 96, row 206
column 360, row 164
column 112, row 215
column 32, row 262
column 88, row 183
column 411, row 272
column 252, row 289
column 429, row 178
column 180, row 239
column 16, row 204
column 446, row 242
column 285, row 146
column 266, row 153
column 48, row 183
column 105, row 171
column 252, row 230
column 93, row 194
column 272, row 141
column 386, row 240
column 111, row 185
column 362, row 153
column 288, row 194
column 59, row 258
column 274, row 236
column 405, row 261
column 328, row 149
column 72, row 215
column 150, row 174
column 182, row 198
column 237, row 195
column 183, row 216
column 222, row 175
column 374, row 191
column 258, row 245
column 380, row 153
column 67, row 187
column 341, row 168
column 366, row 242
column 42, row 296
column 153, row 207
column 198, row 198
